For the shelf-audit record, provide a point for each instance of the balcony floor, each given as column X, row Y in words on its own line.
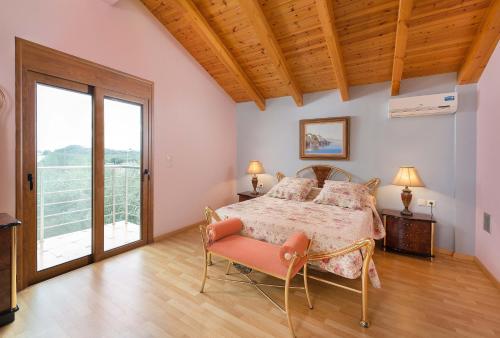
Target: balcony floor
column 64, row 248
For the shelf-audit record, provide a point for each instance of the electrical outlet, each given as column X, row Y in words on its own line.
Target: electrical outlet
column 431, row 203
column 421, row 202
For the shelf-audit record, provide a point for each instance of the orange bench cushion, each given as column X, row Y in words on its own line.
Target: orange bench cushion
column 224, row 228
column 258, row 255
column 296, row 243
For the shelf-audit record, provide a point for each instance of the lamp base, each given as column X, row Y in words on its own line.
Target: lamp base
column 406, row 198
column 255, row 181
column 406, row 212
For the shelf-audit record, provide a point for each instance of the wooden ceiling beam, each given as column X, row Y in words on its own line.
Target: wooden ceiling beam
column 266, row 37
column 202, row 26
column 404, row 13
column 327, row 19
column 482, row 47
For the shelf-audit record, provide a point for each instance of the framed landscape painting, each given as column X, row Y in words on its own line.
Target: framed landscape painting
column 325, row 139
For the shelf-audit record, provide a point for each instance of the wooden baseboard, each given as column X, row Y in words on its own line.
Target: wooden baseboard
column 443, row 251
column 456, row 255
column 175, row 232
column 463, row 257
column 460, row 256
column 487, row 272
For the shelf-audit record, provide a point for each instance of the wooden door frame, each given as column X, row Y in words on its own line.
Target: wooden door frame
column 32, row 57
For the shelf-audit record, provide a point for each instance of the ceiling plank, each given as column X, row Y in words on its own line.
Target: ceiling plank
column 440, row 35
column 327, row 19
column 223, row 54
column 268, row 40
column 405, row 7
column 482, row 47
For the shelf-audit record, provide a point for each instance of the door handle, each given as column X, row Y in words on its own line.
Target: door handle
column 30, row 180
column 146, row 173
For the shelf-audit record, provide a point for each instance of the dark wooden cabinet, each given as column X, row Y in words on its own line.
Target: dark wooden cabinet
column 8, row 298
column 247, row 195
column 409, row 234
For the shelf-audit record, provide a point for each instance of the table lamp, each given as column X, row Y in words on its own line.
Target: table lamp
column 254, row 168
column 407, row 177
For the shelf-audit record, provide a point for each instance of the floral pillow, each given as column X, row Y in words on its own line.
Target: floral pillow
column 343, row 194
column 292, row 188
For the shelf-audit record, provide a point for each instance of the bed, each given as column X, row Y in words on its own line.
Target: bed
column 342, row 238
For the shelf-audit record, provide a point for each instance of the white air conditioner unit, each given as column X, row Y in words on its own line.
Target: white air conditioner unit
column 438, row 104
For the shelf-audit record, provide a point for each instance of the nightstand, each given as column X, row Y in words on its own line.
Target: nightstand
column 247, row 195
column 409, row 234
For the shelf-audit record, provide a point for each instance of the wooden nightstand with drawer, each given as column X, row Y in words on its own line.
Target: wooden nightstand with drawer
column 409, row 234
column 247, row 195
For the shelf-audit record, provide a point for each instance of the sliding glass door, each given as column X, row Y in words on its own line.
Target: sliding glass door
column 87, row 183
column 83, row 161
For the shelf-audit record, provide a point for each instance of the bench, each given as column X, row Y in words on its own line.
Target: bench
column 222, row 239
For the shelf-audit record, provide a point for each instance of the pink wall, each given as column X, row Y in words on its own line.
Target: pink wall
column 194, row 120
column 488, row 165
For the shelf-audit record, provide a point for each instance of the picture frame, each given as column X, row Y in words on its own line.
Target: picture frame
column 325, row 138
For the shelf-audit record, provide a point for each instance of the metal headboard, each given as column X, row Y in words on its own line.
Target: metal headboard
column 325, row 172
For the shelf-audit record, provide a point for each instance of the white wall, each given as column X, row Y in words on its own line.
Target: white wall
column 379, row 145
column 488, row 164
column 194, row 119
column 465, row 168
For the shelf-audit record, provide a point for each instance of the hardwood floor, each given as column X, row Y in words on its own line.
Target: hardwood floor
column 153, row 292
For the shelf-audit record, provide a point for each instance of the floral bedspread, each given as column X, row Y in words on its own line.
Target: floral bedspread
column 273, row 220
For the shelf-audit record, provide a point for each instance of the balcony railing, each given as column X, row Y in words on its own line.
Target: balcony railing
column 64, row 198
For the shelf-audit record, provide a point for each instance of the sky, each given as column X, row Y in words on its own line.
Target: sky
column 64, row 118
column 331, row 131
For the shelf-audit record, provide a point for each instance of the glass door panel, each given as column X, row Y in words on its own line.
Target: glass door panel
column 122, row 172
column 64, row 175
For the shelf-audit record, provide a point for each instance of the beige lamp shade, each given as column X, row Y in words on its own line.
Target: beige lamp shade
column 408, row 177
column 255, row 167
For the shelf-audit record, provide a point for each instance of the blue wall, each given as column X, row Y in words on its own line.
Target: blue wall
column 439, row 146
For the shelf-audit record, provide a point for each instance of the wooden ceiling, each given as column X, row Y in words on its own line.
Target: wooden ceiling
column 259, row 49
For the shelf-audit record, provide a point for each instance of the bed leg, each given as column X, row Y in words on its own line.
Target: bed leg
column 364, row 285
column 364, row 316
column 205, row 270
column 306, row 287
column 228, row 268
